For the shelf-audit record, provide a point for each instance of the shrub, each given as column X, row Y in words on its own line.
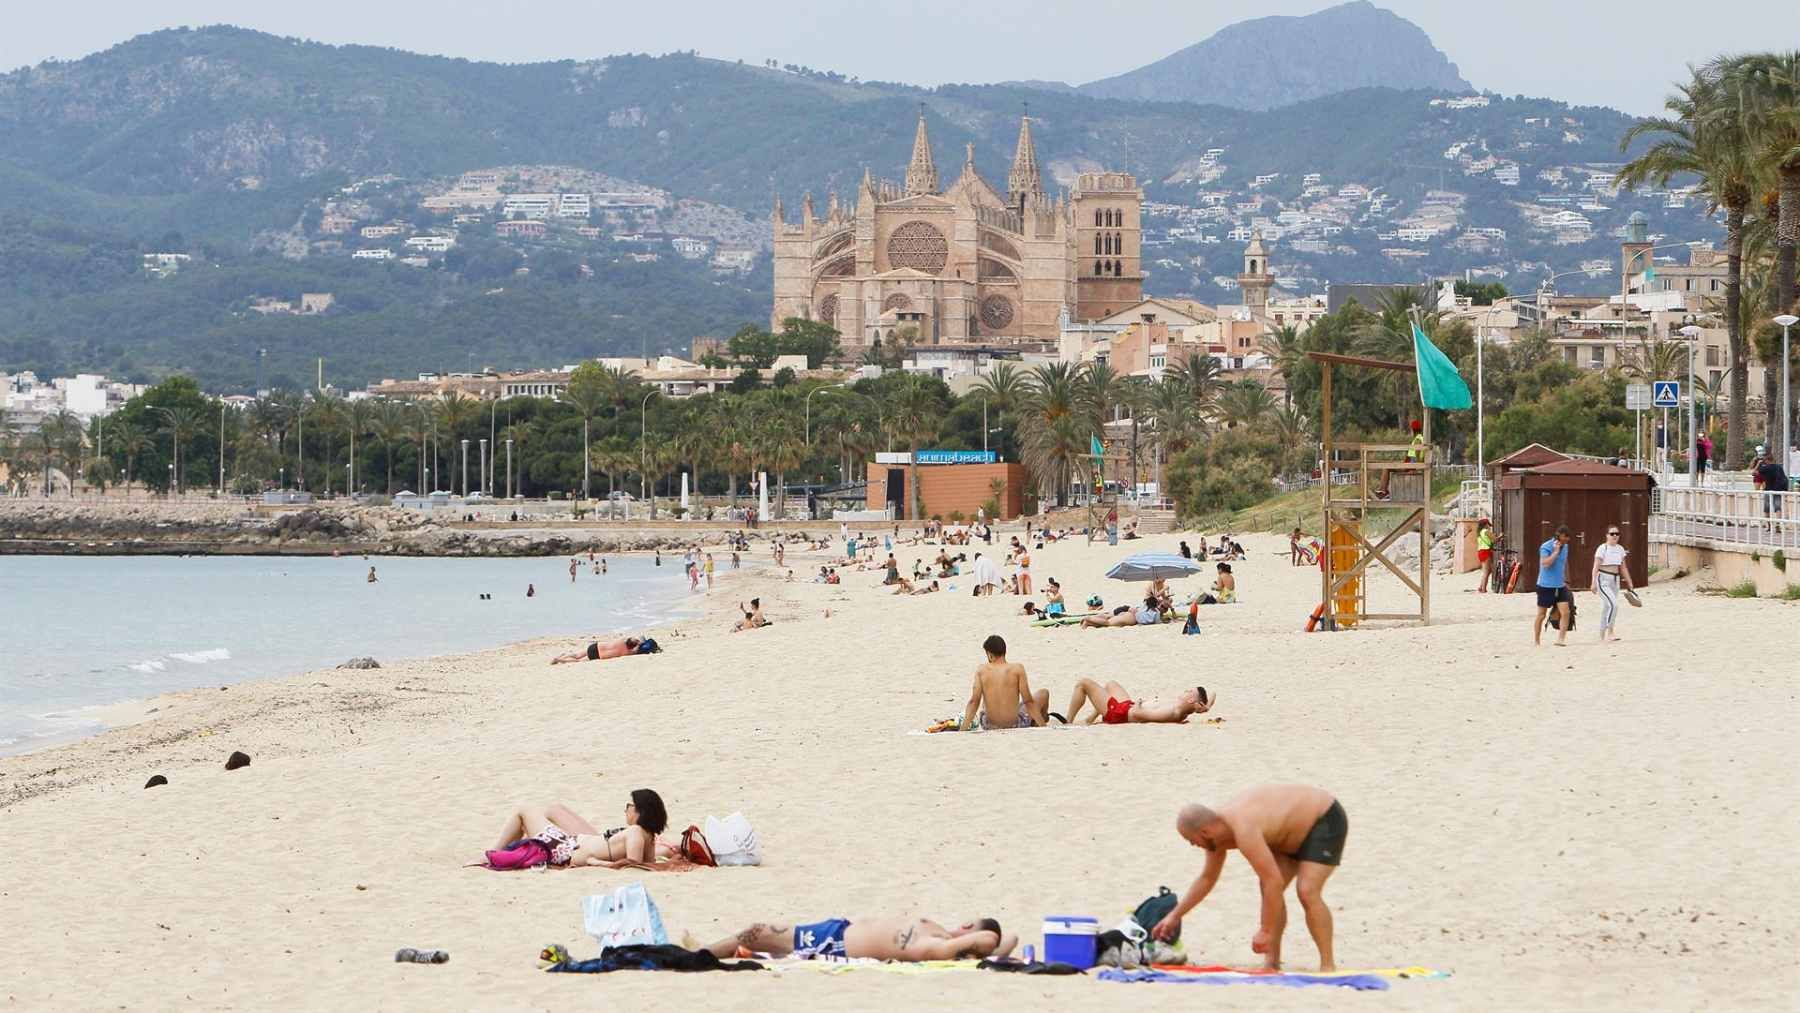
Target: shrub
column 1780, row 559
column 956, row 516
column 1790, row 593
column 1200, row 485
column 1742, row 589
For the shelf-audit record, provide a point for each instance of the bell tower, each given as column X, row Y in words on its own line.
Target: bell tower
column 1257, row 279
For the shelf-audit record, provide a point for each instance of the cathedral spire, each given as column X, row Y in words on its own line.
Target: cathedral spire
column 1024, row 181
column 921, row 173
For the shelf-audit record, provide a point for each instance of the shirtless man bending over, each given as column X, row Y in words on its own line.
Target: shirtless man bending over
column 600, row 652
column 1003, row 694
column 909, row 939
column 1114, row 706
column 1285, row 832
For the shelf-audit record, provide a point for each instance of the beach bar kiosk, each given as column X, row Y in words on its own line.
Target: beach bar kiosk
column 1588, row 496
column 950, row 481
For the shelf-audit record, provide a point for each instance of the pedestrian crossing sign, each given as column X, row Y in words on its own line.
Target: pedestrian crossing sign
column 1666, row 394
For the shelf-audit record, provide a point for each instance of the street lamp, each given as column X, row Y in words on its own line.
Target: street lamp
column 1692, row 333
column 221, row 448
column 487, row 477
column 644, row 443
column 509, row 477
column 807, row 429
column 465, row 467
column 1786, row 320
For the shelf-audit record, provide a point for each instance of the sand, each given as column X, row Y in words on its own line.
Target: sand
column 1595, row 828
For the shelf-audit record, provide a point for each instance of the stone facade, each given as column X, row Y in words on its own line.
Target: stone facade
column 965, row 262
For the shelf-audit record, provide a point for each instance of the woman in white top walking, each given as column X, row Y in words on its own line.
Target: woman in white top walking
column 1609, row 571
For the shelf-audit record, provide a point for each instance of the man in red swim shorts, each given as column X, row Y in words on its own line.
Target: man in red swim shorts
column 1114, row 706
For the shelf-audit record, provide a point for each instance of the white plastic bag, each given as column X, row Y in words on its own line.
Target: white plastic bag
column 625, row 917
column 733, row 841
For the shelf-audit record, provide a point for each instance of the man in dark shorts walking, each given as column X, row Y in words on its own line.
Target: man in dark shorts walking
column 1553, row 587
column 1288, row 833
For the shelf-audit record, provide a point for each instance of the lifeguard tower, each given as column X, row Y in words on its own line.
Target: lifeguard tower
column 1405, row 471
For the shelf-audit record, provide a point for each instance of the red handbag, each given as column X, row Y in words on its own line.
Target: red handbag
column 694, row 847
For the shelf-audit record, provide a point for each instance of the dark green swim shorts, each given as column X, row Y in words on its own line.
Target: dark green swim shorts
column 1324, row 843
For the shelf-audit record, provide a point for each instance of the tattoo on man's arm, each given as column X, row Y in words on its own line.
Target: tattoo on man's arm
column 904, row 937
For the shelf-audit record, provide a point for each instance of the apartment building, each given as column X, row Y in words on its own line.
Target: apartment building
column 573, row 205
column 430, row 244
column 528, row 229
column 375, row 254
column 531, row 206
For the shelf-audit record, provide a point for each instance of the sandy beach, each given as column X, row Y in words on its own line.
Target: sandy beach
column 1594, row 828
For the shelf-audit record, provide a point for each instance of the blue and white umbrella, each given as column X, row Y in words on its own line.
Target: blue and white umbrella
column 1153, row 566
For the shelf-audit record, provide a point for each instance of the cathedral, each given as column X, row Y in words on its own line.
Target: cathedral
column 962, row 262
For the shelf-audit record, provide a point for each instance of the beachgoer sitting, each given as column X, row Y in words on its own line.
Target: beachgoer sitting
column 574, row 842
column 600, row 652
column 904, row 939
column 1002, row 690
column 1224, row 589
column 1113, row 706
column 1165, row 598
column 1148, row 614
column 753, row 616
column 1053, row 599
column 902, row 586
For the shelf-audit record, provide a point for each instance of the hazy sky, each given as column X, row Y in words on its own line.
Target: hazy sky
column 1621, row 54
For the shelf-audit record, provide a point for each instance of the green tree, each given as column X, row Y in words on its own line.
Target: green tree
column 1703, row 136
column 591, row 389
column 914, row 419
column 811, row 338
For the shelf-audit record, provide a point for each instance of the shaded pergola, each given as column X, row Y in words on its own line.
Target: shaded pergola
column 1348, row 549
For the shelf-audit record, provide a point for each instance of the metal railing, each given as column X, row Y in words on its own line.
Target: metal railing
column 1474, row 499
column 1727, row 517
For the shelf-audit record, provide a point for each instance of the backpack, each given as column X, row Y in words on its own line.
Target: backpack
column 694, row 847
column 1155, row 909
column 648, row 645
column 526, row 854
column 1556, row 620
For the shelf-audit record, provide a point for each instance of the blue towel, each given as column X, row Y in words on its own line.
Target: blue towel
column 1360, row 982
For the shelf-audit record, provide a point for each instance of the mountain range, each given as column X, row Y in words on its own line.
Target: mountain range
column 233, row 146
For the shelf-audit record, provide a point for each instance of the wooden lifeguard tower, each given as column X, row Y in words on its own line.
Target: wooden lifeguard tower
column 1348, row 550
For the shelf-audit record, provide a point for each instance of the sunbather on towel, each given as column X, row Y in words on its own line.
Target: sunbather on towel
column 1286, row 832
column 908, row 939
column 1147, row 614
column 1114, row 706
column 600, row 652
column 575, row 842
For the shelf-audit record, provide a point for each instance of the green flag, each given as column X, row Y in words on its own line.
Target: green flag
column 1099, row 451
column 1440, row 385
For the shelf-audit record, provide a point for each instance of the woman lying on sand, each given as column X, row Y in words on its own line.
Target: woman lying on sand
column 1147, row 614
column 574, row 842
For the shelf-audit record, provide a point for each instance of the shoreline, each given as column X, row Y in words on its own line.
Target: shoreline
column 677, row 610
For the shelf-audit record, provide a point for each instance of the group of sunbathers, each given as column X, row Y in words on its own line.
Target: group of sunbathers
column 1001, row 697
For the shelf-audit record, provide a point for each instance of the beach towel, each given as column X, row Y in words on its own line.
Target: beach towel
column 664, row 957
column 625, row 917
column 1359, row 982
column 1063, row 620
column 844, row 965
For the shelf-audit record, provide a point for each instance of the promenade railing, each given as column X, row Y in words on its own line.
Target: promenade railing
column 1727, row 517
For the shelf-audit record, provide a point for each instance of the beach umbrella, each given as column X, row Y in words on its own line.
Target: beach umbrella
column 1153, row 566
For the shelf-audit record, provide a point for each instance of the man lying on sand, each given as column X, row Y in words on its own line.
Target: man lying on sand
column 908, row 939
column 1286, row 832
column 1002, row 690
column 1113, row 706
column 600, row 652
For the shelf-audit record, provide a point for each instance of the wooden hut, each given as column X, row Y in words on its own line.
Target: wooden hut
column 1589, row 497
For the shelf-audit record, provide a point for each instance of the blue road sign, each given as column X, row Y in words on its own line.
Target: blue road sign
column 1665, row 394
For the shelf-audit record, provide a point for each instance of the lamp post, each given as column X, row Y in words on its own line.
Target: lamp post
column 509, row 479
column 1692, row 333
column 487, row 477
column 644, row 444
column 807, row 430
column 1786, row 320
column 221, row 448
column 465, row 467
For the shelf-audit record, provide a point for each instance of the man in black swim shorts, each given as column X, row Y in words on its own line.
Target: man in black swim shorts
column 1289, row 833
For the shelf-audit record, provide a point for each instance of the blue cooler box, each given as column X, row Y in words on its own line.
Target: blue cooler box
column 1070, row 939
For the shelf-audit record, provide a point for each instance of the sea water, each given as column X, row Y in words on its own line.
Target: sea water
column 78, row 632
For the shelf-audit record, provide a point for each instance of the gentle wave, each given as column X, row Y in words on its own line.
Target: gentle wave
column 202, row 657
column 149, row 667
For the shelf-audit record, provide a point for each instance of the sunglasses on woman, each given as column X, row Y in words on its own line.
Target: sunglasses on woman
column 1612, row 534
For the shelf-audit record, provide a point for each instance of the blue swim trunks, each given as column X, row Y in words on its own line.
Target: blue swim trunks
column 820, row 939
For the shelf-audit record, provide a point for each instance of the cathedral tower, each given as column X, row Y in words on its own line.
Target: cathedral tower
column 1257, row 279
column 1024, row 182
column 921, row 173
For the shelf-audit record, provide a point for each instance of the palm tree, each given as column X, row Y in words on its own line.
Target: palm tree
column 389, row 424
column 1766, row 90
column 1703, row 136
column 1055, row 434
column 588, row 400
column 915, row 417
column 1282, row 346
column 1135, row 395
column 519, row 434
column 1245, row 403
column 131, row 441
column 455, row 412
column 1200, row 375
column 57, row 434
column 359, row 416
column 181, row 424
column 328, row 418
column 1654, row 360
